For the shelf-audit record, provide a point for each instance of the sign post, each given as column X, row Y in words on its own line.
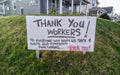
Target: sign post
column 66, row 33
column 37, row 54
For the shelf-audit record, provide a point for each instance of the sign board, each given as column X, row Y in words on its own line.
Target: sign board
column 67, row 33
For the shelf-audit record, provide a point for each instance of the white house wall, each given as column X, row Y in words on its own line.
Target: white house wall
column 81, row 9
column 27, row 7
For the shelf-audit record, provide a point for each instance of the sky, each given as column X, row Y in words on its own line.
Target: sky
column 114, row 3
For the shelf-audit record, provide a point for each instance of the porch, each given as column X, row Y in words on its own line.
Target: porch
column 65, row 6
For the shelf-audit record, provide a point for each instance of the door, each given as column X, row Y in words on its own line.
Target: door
column 21, row 11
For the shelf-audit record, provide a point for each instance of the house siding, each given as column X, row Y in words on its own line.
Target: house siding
column 26, row 6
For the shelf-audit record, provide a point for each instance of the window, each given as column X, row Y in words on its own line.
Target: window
column 53, row 4
column 34, row 2
column 1, row 9
column 7, row 8
column 53, row 1
column 93, row 3
column 14, row 5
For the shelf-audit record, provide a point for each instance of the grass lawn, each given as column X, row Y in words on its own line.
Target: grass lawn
column 16, row 59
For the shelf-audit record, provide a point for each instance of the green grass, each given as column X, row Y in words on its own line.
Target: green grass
column 16, row 59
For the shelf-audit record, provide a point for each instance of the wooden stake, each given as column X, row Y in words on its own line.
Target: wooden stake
column 84, row 52
column 37, row 54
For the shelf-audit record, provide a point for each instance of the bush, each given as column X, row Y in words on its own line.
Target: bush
column 53, row 11
column 105, row 16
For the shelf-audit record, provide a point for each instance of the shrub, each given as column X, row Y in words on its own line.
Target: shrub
column 52, row 11
column 105, row 16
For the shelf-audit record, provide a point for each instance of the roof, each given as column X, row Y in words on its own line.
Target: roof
column 77, row 2
column 98, row 9
column 97, row 2
column 2, row 1
column 108, row 9
column 86, row 1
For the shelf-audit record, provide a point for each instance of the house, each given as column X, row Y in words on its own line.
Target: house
column 20, row 7
column 4, row 8
column 116, row 18
column 109, row 11
column 95, row 10
column 44, row 6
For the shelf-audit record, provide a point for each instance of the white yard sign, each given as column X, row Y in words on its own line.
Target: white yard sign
column 67, row 33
